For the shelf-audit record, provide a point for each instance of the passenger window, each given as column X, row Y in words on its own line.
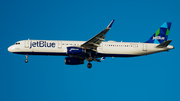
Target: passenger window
column 17, row 43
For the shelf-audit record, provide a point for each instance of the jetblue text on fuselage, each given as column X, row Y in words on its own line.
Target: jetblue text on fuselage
column 42, row 44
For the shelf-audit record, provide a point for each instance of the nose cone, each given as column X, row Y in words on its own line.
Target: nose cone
column 11, row 48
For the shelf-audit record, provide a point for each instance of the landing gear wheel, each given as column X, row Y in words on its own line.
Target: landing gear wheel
column 26, row 61
column 26, row 58
column 89, row 65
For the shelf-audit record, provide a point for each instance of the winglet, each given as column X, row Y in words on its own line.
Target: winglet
column 103, row 58
column 109, row 26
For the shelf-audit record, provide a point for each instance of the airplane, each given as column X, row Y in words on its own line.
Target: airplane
column 95, row 49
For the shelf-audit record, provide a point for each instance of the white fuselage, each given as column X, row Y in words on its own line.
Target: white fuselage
column 106, row 49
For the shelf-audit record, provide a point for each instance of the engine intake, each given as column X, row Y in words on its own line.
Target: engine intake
column 75, row 50
column 73, row 61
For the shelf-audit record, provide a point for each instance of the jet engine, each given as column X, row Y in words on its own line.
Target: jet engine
column 73, row 61
column 75, row 50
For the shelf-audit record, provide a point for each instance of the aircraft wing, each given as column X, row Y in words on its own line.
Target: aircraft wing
column 95, row 42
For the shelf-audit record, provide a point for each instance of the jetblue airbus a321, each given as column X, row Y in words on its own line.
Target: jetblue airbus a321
column 94, row 48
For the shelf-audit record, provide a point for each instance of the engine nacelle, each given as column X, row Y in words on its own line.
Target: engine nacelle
column 75, row 50
column 73, row 61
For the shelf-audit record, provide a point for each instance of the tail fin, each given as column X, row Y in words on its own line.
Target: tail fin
column 161, row 35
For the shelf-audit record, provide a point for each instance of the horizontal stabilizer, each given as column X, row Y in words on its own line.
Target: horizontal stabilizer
column 164, row 44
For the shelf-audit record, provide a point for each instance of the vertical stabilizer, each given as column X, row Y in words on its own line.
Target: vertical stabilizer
column 161, row 35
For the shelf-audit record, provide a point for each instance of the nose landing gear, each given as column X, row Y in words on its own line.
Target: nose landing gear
column 26, row 59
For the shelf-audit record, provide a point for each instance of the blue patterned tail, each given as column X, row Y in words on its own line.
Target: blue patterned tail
column 161, row 35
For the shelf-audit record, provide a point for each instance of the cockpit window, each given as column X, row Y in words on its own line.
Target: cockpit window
column 17, row 43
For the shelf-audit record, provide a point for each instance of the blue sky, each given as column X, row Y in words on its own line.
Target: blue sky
column 47, row 78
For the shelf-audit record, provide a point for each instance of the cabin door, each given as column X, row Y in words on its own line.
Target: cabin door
column 144, row 47
column 26, row 43
column 59, row 45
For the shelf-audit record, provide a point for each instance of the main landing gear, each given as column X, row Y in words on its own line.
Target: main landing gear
column 89, row 65
column 26, row 59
